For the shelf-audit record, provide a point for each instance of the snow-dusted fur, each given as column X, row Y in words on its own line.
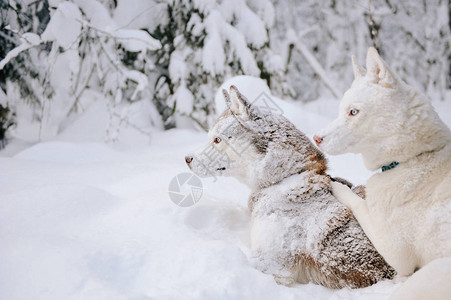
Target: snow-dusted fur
column 300, row 232
column 407, row 211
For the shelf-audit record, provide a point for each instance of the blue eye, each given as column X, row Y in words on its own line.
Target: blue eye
column 217, row 140
column 353, row 112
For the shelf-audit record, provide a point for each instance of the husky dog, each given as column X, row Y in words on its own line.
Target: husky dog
column 299, row 231
column 407, row 211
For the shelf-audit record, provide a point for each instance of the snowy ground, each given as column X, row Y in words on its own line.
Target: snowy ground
column 81, row 219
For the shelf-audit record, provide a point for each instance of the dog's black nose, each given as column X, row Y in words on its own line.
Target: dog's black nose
column 188, row 159
column 317, row 139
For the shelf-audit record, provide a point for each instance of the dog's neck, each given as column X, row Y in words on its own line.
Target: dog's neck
column 416, row 158
column 281, row 151
column 294, row 165
column 392, row 165
column 423, row 131
column 302, row 186
column 387, row 159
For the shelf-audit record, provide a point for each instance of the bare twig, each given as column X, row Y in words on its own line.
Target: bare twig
column 372, row 26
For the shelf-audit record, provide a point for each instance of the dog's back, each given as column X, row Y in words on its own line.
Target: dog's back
column 321, row 240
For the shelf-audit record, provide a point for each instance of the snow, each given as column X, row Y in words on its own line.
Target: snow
column 96, row 13
column 313, row 62
column 184, row 99
column 80, row 218
column 65, row 25
column 102, row 226
column 137, row 14
column 139, row 78
column 85, row 212
column 247, row 22
column 83, row 219
column 220, row 32
column 213, row 56
column 135, row 40
column 28, row 40
column 177, row 69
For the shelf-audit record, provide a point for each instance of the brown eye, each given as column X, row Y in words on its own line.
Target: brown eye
column 217, row 140
column 353, row 112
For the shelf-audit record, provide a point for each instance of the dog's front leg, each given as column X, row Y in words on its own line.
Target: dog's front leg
column 346, row 196
column 269, row 264
column 357, row 205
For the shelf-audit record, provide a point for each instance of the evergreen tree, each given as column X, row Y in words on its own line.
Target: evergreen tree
column 24, row 76
column 204, row 43
column 57, row 57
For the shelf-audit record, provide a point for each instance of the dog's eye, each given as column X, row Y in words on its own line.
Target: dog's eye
column 217, row 140
column 353, row 112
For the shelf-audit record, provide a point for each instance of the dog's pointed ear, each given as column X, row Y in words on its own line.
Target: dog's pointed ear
column 359, row 71
column 378, row 70
column 239, row 105
column 226, row 97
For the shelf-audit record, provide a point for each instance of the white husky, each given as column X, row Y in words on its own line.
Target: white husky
column 407, row 211
column 299, row 231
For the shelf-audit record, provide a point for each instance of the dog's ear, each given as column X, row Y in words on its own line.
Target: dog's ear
column 359, row 71
column 238, row 104
column 226, row 97
column 378, row 70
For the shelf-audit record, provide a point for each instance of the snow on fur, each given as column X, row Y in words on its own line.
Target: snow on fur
column 299, row 232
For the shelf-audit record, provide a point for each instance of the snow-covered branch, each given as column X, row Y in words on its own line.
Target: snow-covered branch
column 28, row 40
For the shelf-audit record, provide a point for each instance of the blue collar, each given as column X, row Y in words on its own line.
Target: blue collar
column 390, row 166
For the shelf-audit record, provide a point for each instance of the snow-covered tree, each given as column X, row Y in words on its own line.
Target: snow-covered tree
column 326, row 31
column 413, row 36
column 81, row 51
column 204, row 43
column 57, row 57
column 23, row 76
column 416, row 39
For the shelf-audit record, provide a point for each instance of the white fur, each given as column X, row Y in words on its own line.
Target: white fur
column 233, row 156
column 407, row 211
column 431, row 283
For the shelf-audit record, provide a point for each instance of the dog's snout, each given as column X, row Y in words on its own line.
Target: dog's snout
column 188, row 159
column 317, row 139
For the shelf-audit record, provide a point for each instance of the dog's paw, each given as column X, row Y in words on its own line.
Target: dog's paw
column 283, row 280
column 344, row 194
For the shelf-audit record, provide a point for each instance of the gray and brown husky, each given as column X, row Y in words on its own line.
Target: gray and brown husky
column 299, row 232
